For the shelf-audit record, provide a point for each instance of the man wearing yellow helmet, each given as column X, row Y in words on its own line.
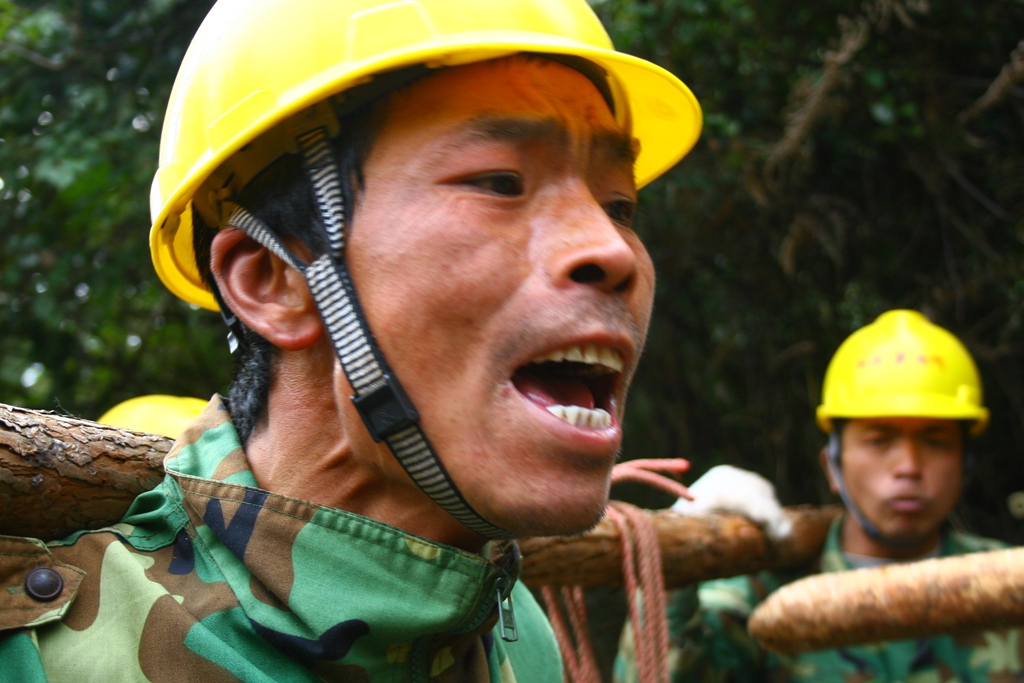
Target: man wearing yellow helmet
column 415, row 217
column 900, row 397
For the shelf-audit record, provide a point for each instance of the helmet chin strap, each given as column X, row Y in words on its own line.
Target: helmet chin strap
column 835, row 449
column 385, row 408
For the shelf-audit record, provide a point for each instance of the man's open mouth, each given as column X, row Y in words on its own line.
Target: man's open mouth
column 575, row 383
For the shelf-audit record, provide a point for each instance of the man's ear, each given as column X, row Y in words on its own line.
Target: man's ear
column 269, row 296
column 823, row 460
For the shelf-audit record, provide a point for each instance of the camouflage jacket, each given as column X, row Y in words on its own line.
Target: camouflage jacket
column 710, row 642
column 209, row 578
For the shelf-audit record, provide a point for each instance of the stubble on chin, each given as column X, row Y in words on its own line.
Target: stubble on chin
column 568, row 514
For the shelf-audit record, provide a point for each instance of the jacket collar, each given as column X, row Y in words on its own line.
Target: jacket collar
column 833, row 560
column 318, row 581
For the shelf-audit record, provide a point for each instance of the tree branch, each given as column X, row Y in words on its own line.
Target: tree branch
column 1011, row 74
column 801, row 120
column 38, row 59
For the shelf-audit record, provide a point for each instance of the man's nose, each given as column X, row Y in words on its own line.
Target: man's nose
column 591, row 249
column 908, row 455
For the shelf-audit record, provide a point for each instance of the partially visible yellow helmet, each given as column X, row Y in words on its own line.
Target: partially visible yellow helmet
column 902, row 365
column 256, row 68
column 154, row 414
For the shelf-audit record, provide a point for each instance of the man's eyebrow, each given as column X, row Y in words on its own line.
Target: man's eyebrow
column 620, row 146
column 519, row 129
column 513, row 129
column 889, row 430
column 882, row 427
column 932, row 430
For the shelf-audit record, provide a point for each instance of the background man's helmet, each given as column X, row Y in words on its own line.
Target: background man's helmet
column 256, row 68
column 154, row 414
column 902, row 365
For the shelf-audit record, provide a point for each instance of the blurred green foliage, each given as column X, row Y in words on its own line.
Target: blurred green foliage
column 85, row 322
column 841, row 173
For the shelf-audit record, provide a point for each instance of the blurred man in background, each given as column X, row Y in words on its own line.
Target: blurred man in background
column 900, row 398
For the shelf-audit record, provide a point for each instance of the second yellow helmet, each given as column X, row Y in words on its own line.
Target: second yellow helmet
column 154, row 414
column 902, row 365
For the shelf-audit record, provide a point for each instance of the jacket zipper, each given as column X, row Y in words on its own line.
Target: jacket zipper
column 502, row 590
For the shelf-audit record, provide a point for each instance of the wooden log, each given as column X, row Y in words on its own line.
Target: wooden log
column 59, row 474
column 693, row 549
column 952, row 595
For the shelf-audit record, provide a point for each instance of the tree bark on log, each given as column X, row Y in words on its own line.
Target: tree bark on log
column 692, row 548
column 59, row 474
column 953, row 595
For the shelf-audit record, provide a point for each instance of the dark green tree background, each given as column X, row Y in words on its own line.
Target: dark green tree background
column 856, row 157
column 85, row 322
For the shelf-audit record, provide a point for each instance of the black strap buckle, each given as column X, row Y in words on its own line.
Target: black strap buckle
column 386, row 410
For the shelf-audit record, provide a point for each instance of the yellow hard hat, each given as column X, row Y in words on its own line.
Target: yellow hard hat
column 256, row 68
column 902, row 365
column 154, row 414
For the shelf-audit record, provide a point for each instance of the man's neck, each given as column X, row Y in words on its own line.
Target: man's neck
column 868, row 562
column 312, row 446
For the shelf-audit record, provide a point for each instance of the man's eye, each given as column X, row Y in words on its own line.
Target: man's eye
column 504, row 184
column 622, row 212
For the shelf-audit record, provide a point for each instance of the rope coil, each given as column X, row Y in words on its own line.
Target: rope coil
column 643, row 578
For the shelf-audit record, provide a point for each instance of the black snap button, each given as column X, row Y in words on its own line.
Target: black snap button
column 43, row 584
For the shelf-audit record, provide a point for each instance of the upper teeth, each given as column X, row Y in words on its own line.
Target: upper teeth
column 589, row 353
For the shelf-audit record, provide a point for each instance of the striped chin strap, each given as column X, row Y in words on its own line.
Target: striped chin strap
column 385, row 408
